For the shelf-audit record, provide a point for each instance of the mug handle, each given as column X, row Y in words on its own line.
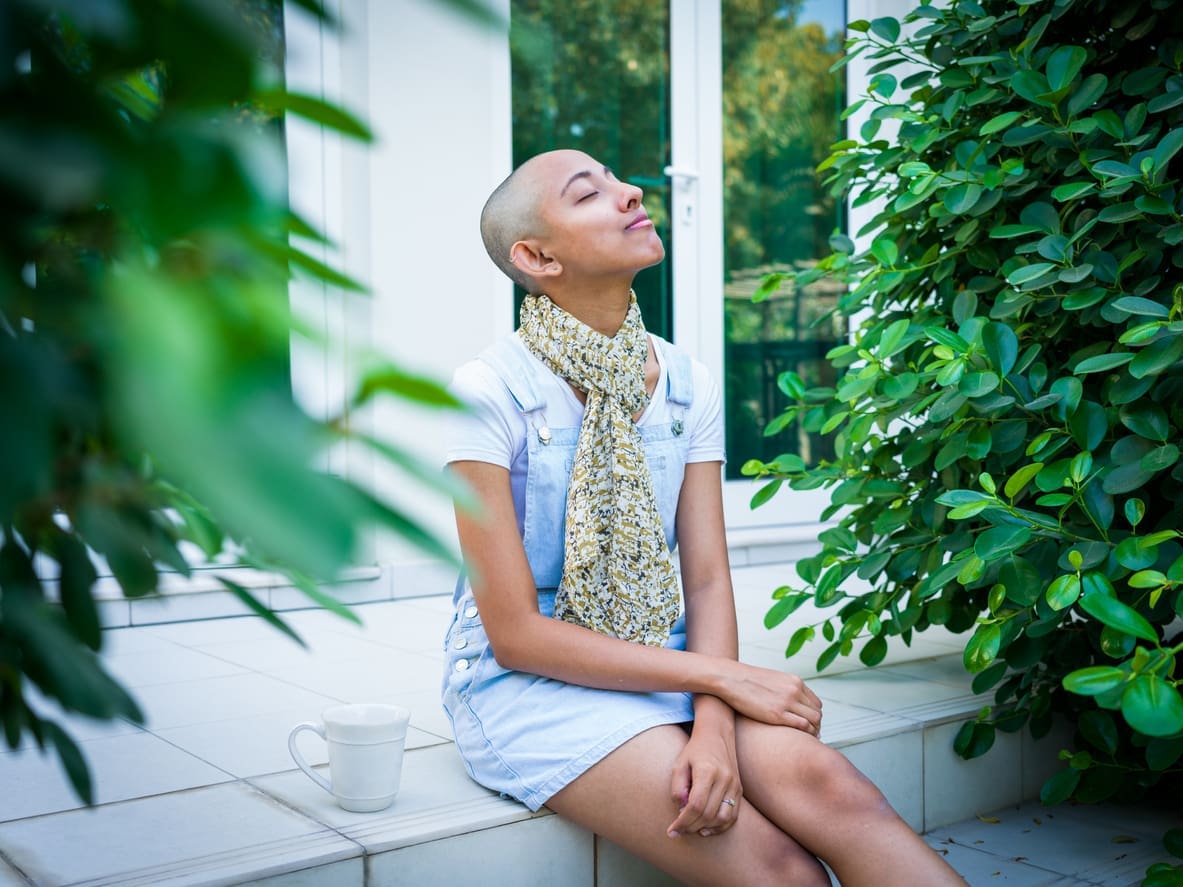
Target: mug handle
column 319, row 730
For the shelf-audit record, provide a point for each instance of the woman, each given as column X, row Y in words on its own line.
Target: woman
column 572, row 680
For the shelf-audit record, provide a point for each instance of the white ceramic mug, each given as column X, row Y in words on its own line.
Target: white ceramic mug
column 365, row 743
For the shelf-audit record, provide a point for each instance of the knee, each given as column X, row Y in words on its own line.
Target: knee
column 838, row 783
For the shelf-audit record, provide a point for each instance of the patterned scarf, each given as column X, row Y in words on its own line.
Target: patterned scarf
column 618, row 578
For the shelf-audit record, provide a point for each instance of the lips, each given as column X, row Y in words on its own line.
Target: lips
column 641, row 220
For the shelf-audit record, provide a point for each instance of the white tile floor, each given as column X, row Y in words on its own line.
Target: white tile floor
column 209, row 777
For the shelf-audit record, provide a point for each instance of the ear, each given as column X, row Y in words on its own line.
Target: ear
column 532, row 258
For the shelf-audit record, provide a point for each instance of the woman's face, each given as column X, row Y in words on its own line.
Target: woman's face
column 595, row 223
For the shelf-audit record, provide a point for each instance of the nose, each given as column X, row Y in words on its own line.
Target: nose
column 630, row 195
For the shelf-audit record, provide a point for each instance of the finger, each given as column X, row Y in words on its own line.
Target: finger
column 814, row 700
column 801, row 722
column 701, row 806
column 728, row 812
column 680, row 784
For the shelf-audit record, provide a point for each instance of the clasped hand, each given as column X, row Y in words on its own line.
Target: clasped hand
column 773, row 697
column 705, row 782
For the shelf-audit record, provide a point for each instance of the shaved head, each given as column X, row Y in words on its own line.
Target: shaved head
column 512, row 213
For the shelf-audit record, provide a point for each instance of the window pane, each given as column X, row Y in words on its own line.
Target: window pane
column 781, row 109
column 594, row 76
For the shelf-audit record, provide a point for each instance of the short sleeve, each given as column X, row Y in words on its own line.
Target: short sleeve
column 488, row 432
column 705, row 418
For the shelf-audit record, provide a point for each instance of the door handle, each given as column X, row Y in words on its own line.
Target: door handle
column 684, row 177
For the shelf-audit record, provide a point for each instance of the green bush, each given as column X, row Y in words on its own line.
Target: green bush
column 146, row 412
column 1007, row 418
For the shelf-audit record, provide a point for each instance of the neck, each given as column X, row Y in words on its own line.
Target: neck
column 602, row 306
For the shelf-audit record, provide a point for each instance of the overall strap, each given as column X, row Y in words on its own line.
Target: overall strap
column 509, row 359
column 678, row 373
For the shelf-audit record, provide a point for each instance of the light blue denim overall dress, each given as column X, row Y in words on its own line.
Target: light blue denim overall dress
column 528, row 736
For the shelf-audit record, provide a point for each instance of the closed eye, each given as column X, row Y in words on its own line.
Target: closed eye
column 587, row 196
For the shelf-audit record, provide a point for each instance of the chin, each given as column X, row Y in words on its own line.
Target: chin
column 658, row 254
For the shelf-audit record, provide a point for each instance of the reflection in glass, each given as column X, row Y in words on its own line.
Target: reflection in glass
column 781, row 113
column 594, row 75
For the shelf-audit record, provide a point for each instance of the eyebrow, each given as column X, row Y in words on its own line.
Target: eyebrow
column 582, row 174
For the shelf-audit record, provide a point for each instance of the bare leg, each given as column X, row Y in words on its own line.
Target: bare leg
column 626, row 798
column 813, row 793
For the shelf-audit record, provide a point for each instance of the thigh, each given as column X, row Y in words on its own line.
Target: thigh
column 627, row 798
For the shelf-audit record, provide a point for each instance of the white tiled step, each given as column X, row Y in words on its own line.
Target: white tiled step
column 206, row 794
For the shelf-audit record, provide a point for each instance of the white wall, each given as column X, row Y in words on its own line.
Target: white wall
column 434, row 87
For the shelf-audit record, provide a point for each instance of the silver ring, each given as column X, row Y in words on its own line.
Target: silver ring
column 729, row 802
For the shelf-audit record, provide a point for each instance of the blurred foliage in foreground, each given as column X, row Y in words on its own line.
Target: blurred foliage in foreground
column 146, row 414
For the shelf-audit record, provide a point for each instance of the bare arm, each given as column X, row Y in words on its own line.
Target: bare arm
column 525, row 640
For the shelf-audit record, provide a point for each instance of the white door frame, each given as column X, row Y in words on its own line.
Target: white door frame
column 696, row 90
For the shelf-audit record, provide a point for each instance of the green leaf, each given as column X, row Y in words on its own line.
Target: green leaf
column 974, row 739
column 1087, row 94
column 765, row 493
column 261, row 609
column 1028, row 273
column 1146, row 419
column 1139, row 305
column 1115, row 614
column 1163, row 753
column 1063, row 65
column 799, row 639
column 1152, row 706
column 397, row 381
column 963, row 497
column 1168, row 146
column 1032, row 86
column 828, row 655
column 998, row 542
column 1094, row 680
column 886, row 29
column 76, row 578
column 1002, row 346
column 1059, row 787
column 886, row 251
column 1102, row 362
column 948, row 338
column 963, row 197
column 72, row 760
column 1063, row 591
column 1173, row 842
column 1147, row 579
column 1006, row 232
column 961, row 512
column 1072, row 190
column 1099, row 729
column 978, row 384
column 785, row 607
column 1159, row 459
column 999, row 122
column 874, row 651
column 901, row 386
column 1157, row 357
column 983, row 647
column 1132, row 555
column 317, row 110
column 1019, row 480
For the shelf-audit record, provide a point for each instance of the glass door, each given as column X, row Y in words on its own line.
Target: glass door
column 720, row 110
column 595, row 76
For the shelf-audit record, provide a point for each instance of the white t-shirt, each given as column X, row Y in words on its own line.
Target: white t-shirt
column 495, row 430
